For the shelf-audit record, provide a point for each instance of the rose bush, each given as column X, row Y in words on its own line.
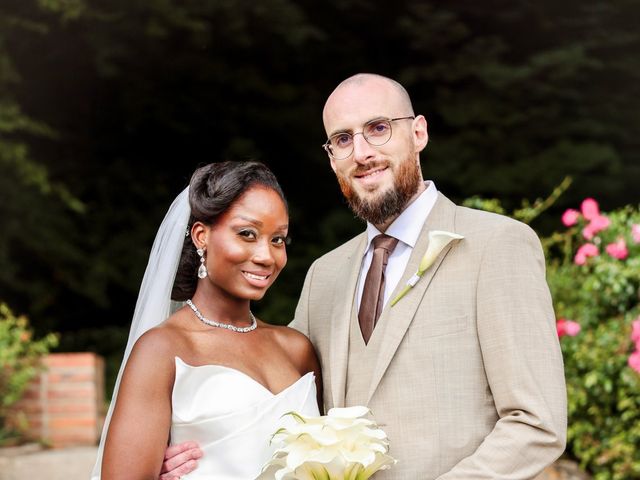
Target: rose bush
column 594, row 276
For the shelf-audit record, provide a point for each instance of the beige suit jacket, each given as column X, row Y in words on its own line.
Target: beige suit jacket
column 465, row 372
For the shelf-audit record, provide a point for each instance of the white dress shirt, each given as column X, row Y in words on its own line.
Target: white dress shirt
column 406, row 228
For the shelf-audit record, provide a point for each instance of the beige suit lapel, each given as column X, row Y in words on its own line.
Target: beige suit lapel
column 441, row 217
column 346, row 281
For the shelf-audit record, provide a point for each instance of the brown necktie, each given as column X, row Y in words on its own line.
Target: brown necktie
column 373, row 293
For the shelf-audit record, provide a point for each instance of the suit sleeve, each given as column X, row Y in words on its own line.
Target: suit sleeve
column 522, row 361
column 301, row 319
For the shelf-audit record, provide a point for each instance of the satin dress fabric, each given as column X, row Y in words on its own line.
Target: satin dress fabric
column 232, row 417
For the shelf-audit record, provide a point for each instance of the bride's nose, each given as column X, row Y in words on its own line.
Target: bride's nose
column 263, row 254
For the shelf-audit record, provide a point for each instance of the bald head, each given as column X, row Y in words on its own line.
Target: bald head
column 359, row 82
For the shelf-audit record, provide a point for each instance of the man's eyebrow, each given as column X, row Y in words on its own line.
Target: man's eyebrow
column 348, row 130
column 339, row 131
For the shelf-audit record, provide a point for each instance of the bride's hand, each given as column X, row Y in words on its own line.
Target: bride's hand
column 179, row 460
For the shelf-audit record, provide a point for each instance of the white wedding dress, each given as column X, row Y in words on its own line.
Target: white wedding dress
column 232, row 417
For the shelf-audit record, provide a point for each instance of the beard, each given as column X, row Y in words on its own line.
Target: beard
column 389, row 204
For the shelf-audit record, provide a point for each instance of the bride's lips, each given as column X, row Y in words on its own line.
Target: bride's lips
column 257, row 279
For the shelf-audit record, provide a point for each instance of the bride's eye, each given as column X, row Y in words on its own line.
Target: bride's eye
column 280, row 240
column 248, row 234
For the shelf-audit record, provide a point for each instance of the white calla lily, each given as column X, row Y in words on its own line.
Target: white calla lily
column 438, row 240
column 350, row 413
column 343, row 445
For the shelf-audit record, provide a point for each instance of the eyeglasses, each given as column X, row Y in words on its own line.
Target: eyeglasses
column 376, row 132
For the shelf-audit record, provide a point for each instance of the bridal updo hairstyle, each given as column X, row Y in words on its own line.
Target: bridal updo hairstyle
column 212, row 191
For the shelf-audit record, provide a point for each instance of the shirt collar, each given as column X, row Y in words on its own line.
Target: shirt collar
column 408, row 225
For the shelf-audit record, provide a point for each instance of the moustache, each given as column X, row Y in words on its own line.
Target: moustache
column 363, row 169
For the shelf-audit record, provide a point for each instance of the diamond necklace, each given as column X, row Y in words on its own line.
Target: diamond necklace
column 228, row 326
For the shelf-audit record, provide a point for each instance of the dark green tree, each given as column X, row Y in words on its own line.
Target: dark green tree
column 37, row 249
column 136, row 94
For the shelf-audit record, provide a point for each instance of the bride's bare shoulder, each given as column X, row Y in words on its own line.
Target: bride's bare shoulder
column 298, row 346
column 161, row 342
column 287, row 335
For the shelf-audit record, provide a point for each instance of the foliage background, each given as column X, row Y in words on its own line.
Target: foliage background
column 107, row 106
column 20, row 356
column 602, row 296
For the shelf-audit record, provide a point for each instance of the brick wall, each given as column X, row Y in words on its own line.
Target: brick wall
column 64, row 405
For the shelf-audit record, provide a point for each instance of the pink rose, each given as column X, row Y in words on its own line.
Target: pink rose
column 634, row 361
column 570, row 217
column 585, row 251
column 597, row 224
column 567, row 327
column 590, row 208
column 635, row 233
column 635, row 332
column 587, row 233
column 618, row 249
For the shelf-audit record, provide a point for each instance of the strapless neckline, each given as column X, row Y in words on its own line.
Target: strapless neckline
column 232, row 417
column 246, row 376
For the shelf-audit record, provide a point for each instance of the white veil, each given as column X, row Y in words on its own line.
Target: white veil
column 154, row 300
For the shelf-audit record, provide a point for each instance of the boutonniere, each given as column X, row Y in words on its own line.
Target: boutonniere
column 438, row 240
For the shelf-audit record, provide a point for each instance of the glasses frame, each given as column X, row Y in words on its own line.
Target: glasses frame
column 326, row 145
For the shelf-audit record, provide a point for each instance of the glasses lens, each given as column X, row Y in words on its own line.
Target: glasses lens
column 340, row 145
column 377, row 132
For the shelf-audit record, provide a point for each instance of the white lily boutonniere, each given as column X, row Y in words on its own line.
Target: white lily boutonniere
column 438, row 240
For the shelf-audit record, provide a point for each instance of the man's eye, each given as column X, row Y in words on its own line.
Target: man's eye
column 342, row 140
column 248, row 234
column 377, row 128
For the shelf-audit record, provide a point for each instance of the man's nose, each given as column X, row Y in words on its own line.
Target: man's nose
column 362, row 150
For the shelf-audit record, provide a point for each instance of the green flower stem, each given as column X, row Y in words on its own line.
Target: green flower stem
column 410, row 284
column 401, row 294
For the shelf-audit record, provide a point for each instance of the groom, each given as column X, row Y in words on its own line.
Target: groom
column 464, row 372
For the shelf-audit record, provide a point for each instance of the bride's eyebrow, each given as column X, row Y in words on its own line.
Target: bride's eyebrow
column 258, row 223
column 253, row 221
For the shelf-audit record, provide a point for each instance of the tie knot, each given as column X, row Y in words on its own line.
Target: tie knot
column 385, row 241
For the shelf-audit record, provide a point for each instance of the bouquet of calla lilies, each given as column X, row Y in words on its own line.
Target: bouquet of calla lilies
column 342, row 445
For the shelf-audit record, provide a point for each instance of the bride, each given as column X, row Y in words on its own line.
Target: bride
column 210, row 372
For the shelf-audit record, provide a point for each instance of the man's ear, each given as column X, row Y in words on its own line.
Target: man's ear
column 199, row 234
column 420, row 134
